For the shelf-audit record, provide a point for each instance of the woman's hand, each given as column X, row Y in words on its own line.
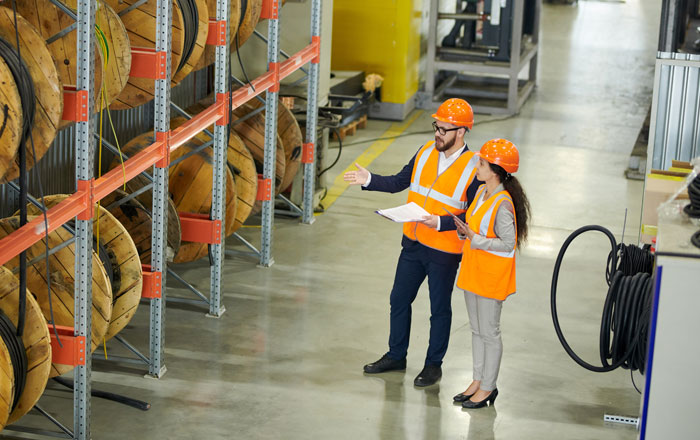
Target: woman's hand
column 463, row 229
column 430, row 221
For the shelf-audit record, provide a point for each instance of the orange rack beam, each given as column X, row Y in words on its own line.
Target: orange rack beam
column 24, row 237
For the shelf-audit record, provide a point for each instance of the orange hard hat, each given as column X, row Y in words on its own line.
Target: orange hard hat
column 456, row 111
column 501, row 152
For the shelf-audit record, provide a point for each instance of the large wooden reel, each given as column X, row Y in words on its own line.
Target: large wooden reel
column 209, row 55
column 200, row 46
column 146, row 198
column 61, row 270
column 127, row 280
column 135, row 218
column 250, row 9
column 7, row 384
column 292, row 141
column 11, row 131
column 140, row 24
column 47, row 88
column 37, row 344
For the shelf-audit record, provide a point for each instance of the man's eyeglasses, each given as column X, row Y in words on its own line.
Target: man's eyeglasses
column 443, row 130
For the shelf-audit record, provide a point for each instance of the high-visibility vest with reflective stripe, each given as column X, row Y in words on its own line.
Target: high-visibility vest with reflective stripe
column 434, row 192
column 487, row 273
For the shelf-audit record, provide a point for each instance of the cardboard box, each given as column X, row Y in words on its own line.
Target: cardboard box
column 657, row 189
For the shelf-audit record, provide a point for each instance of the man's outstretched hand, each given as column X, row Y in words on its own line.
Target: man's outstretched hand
column 358, row 177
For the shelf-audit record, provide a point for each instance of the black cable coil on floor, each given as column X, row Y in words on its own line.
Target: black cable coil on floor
column 18, row 355
column 693, row 208
column 631, row 259
column 625, row 320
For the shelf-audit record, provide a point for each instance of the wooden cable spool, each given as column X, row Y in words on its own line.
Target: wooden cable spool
column 242, row 165
column 200, row 46
column 174, row 234
column 36, row 340
column 190, row 186
column 127, row 280
column 209, row 55
column 61, row 267
column 140, row 24
column 47, row 88
column 49, row 20
column 250, row 9
column 252, row 132
column 11, row 124
column 112, row 65
column 290, row 135
column 136, row 219
column 7, row 383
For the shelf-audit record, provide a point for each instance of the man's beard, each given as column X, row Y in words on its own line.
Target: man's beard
column 445, row 146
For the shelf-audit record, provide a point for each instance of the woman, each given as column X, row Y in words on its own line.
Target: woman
column 496, row 224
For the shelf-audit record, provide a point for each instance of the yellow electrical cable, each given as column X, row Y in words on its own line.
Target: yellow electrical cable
column 105, row 57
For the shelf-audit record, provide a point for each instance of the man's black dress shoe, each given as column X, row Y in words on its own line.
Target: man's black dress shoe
column 490, row 400
column 429, row 375
column 385, row 363
column 461, row 397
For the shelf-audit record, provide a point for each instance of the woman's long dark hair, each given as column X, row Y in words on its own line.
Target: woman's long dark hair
column 520, row 202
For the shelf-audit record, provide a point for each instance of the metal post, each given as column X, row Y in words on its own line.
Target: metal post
column 268, row 209
column 160, row 192
column 218, row 199
column 84, row 162
column 311, row 120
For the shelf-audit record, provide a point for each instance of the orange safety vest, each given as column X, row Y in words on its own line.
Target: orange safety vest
column 487, row 273
column 434, row 192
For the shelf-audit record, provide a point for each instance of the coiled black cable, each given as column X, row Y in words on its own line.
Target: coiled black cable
column 190, row 23
column 693, row 208
column 625, row 314
column 631, row 260
column 18, row 355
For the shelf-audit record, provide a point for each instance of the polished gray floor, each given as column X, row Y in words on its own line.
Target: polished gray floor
column 285, row 360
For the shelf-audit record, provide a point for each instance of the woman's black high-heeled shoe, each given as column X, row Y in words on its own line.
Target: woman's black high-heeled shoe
column 461, row 397
column 489, row 400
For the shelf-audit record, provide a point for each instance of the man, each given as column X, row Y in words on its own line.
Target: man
column 440, row 177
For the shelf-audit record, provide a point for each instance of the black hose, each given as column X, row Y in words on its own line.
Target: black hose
column 695, row 239
column 625, row 314
column 134, row 403
column 337, row 158
column 190, row 23
column 18, row 355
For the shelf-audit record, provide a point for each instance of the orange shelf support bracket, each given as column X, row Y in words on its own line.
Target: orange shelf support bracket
column 275, row 69
column 147, row 63
column 270, row 9
column 164, row 138
column 307, row 153
column 85, row 188
column 316, row 40
column 217, row 33
column 75, row 104
column 73, row 351
column 264, row 188
column 198, row 228
column 152, row 283
column 223, row 98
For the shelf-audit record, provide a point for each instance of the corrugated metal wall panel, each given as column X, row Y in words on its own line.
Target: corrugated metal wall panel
column 675, row 127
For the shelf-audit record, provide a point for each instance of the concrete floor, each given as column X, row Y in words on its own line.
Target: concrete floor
column 285, row 360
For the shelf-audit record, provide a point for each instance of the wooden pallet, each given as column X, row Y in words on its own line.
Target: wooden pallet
column 349, row 130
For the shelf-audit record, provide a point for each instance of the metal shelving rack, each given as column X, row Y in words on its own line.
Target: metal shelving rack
column 91, row 190
column 490, row 73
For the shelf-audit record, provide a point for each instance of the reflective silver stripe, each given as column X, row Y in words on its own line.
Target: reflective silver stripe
column 464, row 179
column 442, row 198
column 425, row 155
column 510, row 254
column 486, row 220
